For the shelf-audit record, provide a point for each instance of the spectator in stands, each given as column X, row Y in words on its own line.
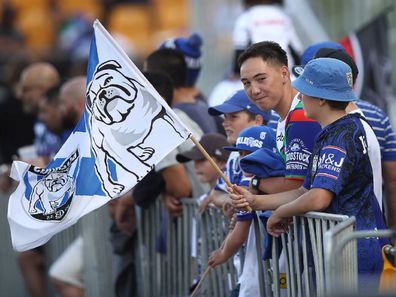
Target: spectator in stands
column 172, row 63
column 265, row 20
column 67, row 271
column 72, row 101
column 340, row 176
column 266, row 164
column 35, row 80
column 375, row 116
column 191, row 49
column 213, row 144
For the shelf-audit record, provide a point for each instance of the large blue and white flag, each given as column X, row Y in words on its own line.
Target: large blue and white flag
column 126, row 129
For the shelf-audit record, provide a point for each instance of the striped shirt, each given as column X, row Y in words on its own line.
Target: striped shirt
column 382, row 127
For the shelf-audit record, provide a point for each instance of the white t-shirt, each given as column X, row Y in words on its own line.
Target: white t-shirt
column 374, row 156
column 224, row 90
column 266, row 22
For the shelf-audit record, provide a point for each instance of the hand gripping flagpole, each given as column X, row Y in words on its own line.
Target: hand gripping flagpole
column 229, row 184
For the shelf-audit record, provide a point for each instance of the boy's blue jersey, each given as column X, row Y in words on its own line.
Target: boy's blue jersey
column 340, row 164
column 382, row 127
column 233, row 171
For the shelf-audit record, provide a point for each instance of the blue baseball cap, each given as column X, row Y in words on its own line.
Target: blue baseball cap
column 254, row 138
column 191, row 49
column 238, row 102
column 263, row 163
column 326, row 78
column 310, row 53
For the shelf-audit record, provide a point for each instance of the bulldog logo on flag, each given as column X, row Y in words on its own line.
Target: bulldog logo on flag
column 53, row 192
column 117, row 104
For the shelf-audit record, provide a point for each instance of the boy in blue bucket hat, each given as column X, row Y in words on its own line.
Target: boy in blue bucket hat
column 340, row 176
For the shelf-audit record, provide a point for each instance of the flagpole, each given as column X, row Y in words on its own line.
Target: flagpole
column 210, row 159
column 228, row 182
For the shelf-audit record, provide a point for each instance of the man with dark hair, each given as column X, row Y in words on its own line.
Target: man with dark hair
column 266, row 79
column 172, row 63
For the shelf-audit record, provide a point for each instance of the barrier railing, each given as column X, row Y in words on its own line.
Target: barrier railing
column 170, row 270
column 341, row 257
column 300, row 268
column 302, row 256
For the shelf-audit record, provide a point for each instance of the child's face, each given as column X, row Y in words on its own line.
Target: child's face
column 234, row 123
column 205, row 171
column 310, row 106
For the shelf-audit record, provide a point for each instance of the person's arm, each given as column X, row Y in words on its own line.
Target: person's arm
column 123, row 212
column 232, row 244
column 218, row 198
column 314, row 200
column 243, row 198
column 176, row 179
column 389, row 175
column 278, row 184
column 177, row 186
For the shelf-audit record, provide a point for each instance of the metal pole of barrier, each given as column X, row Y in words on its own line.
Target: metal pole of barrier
column 296, row 227
column 258, row 237
column 306, row 273
column 275, row 267
column 329, row 238
column 333, row 260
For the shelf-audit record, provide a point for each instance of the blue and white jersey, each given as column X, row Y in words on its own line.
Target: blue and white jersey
column 233, row 172
column 340, row 164
column 382, row 127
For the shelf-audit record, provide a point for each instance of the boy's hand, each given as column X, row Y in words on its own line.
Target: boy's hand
column 173, row 204
column 203, row 206
column 277, row 225
column 216, row 258
column 241, row 198
column 227, row 209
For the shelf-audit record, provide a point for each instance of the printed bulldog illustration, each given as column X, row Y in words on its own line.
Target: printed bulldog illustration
column 119, row 105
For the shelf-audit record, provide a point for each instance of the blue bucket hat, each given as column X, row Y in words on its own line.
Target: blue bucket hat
column 254, row 138
column 310, row 53
column 326, row 78
column 238, row 102
column 263, row 163
column 191, row 49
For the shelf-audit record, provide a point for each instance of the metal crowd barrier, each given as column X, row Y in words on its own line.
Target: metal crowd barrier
column 341, row 258
column 303, row 256
column 172, row 271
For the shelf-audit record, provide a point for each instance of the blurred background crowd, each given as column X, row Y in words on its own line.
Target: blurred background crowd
column 51, row 38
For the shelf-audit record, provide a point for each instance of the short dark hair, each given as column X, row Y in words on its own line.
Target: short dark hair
column 162, row 83
column 269, row 51
column 338, row 105
column 170, row 62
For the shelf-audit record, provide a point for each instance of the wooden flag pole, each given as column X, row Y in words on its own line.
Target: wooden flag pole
column 228, row 182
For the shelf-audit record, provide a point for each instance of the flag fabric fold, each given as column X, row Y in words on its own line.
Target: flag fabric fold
column 126, row 129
